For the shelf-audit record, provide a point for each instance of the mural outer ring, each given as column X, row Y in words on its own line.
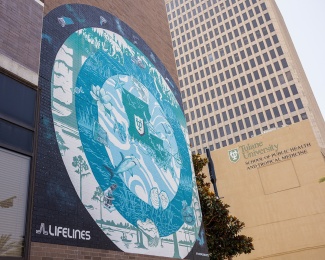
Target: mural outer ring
column 184, row 205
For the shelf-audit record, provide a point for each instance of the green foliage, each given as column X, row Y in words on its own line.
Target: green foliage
column 221, row 229
column 321, row 179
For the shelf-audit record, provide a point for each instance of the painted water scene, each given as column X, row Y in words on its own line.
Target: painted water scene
column 123, row 139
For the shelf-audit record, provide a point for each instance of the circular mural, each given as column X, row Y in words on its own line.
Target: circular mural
column 123, row 139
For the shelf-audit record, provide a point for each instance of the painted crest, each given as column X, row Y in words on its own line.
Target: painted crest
column 139, row 124
column 233, row 155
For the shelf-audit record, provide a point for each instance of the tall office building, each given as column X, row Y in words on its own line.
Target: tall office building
column 238, row 70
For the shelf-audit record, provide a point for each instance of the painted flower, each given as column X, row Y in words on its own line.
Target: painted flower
column 102, row 98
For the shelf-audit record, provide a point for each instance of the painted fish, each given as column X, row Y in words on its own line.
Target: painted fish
column 126, row 164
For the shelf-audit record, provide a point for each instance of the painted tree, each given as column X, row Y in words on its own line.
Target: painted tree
column 176, row 250
column 99, row 196
column 82, row 167
column 61, row 143
column 221, row 229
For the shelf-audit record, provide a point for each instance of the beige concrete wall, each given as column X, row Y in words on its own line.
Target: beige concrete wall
column 276, row 192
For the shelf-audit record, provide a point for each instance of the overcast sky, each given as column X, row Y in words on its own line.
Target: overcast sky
column 305, row 20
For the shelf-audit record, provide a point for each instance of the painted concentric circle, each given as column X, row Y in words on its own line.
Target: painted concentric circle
column 122, row 137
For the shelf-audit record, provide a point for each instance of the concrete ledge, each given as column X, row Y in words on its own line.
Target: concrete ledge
column 18, row 69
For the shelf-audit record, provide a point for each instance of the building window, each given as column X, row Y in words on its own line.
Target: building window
column 276, row 112
column 283, row 109
column 17, row 125
column 247, row 122
column 278, row 95
column 286, row 92
column 281, row 79
column 288, row 121
column 284, row 63
column 295, row 119
column 299, row 103
column 271, row 98
column 268, row 114
column 261, row 117
column 240, row 124
column 294, row 89
column 303, row 116
column 257, row 103
column 264, row 101
column 254, row 120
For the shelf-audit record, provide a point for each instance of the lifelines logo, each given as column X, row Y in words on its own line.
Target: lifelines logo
column 65, row 232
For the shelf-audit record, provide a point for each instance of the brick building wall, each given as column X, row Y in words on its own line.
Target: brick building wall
column 20, row 28
column 56, row 202
column 42, row 251
column 146, row 17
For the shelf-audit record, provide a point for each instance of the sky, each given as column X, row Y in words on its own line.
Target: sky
column 305, row 21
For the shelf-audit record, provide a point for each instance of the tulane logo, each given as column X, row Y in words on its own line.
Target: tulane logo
column 139, row 125
column 233, row 155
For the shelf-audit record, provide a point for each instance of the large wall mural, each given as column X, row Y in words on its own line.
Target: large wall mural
column 115, row 115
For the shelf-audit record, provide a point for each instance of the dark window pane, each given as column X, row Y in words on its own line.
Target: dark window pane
column 278, row 95
column 304, row 116
column 267, row 85
column 271, row 98
column 240, row 124
column 250, row 106
column 17, row 101
column 284, row 63
column 247, row 122
column 253, row 89
column 243, row 108
column 257, row 103
column 261, row 116
column 299, row 103
column 276, row 112
column 286, row 92
column 294, row 89
column 268, row 114
column 221, row 132
column 264, row 101
column 283, row 109
column 16, row 136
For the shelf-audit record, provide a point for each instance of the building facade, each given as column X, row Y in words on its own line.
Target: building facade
column 271, row 183
column 94, row 154
column 239, row 73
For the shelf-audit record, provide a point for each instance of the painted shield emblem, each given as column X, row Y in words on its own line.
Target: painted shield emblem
column 233, row 155
column 139, row 124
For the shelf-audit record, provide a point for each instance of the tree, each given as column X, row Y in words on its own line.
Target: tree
column 221, row 229
column 81, row 165
column 99, row 196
